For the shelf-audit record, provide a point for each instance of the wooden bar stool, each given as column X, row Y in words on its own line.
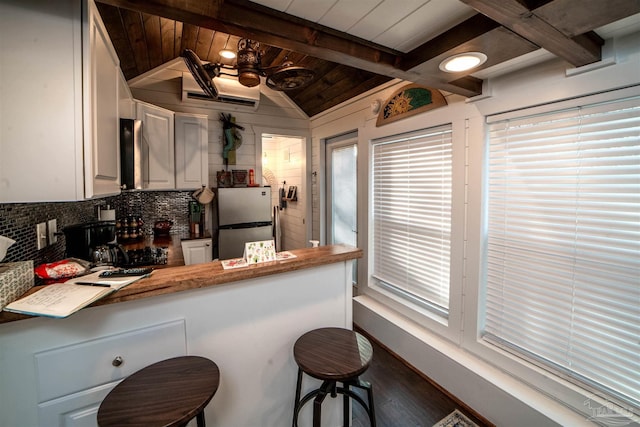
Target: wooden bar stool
column 168, row 393
column 333, row 355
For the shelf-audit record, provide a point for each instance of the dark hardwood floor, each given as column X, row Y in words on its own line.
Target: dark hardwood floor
column 402, row 397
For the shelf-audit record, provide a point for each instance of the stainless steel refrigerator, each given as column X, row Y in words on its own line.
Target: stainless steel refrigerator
column 244, row 215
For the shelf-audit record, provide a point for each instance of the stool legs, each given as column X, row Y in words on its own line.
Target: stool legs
column 200, row 419
column 330, row 387
column 346, row 419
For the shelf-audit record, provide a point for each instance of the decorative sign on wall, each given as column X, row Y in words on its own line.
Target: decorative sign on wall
column 409, row 101
column 231, row 137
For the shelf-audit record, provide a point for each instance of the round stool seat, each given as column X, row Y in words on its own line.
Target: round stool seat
column 333, row 353
column 167, row 393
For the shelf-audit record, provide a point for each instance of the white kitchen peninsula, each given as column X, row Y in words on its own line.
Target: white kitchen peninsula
column 56, row 371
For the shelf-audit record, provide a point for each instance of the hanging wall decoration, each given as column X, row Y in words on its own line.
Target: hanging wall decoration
column 232, row 139
column 409, row 101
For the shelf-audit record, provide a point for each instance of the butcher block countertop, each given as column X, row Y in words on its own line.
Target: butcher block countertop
column 176, row 279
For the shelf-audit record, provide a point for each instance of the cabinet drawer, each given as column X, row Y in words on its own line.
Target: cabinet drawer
column 87, row 364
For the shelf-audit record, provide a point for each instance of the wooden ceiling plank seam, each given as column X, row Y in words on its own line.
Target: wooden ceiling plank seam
column 135, row 30
column 120, row 39
column 151, row 26
column 218, row 43
column 203, row 42
column 326, row 84
column 168, row 37
column 518, row 18
column 177, row 42
column 189, row 37
column 315, row 108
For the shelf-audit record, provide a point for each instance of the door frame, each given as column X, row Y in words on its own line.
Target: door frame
column 347, row 142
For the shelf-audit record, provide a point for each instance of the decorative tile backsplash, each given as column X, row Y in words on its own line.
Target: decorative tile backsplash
column 18, row 220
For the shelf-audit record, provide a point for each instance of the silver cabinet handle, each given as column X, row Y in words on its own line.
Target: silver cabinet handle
column 117, row 361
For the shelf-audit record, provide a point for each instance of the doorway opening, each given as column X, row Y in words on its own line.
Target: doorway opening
column 283, row 162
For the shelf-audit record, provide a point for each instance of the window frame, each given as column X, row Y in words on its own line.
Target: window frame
column 579, row 399
column 451, row 327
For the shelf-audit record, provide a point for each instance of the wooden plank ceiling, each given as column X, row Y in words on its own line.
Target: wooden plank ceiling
column 147, row 34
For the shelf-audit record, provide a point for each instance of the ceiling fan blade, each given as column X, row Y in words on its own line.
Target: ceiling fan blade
column 202, row 73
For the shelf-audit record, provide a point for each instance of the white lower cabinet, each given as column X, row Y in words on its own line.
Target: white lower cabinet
column 76, row 410
column 73, row 379
column 197, row 251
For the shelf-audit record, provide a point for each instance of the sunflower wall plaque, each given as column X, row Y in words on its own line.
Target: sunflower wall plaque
column 410, row 100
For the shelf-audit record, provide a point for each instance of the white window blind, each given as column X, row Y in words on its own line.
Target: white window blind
column 563, row 254
column 411, row 185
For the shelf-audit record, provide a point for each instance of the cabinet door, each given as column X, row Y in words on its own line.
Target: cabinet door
column 197, row 251
column 126, row 104
column 40, row 103
column 192, row 162
column 102, row 145
column 157, row 146
column 76, row 410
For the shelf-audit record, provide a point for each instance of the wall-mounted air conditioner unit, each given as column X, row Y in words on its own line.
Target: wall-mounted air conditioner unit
column 229, row 92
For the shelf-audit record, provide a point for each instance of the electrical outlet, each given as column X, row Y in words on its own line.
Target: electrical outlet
column 41, row 235
column 52, row 229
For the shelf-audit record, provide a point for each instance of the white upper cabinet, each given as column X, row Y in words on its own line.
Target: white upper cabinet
column 102, row 122
column 56, row 142
column 192, row 162
column 157, row 146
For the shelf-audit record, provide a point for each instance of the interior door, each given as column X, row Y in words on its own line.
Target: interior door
column 342, row 192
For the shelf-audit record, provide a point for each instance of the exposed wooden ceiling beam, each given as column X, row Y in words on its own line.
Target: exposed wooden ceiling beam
column 190, row 11
column 251, row 20
column 574, row 17
column 578, row 50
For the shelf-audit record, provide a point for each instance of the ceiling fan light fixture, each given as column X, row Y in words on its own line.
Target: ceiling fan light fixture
column 463, row 62
column 248, row 62
column 228, row 54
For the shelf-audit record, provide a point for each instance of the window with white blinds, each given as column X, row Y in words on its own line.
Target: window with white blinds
column 411, row 208
column 563, row 249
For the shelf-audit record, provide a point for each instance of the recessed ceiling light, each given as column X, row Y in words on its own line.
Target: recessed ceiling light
column 226, row 53
column 463, row 62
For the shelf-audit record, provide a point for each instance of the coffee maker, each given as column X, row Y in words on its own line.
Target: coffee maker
column 95, row 242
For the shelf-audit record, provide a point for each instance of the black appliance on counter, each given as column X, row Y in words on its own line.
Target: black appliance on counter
column 147, row 256
column 89, row 241
column 82, row 240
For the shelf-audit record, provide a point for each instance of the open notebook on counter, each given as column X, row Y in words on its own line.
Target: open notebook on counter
column 63, row 299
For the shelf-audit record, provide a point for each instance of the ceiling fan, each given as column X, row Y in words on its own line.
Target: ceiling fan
column 286, row 76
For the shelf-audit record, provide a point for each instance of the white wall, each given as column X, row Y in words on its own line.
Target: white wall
column 438, row 350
